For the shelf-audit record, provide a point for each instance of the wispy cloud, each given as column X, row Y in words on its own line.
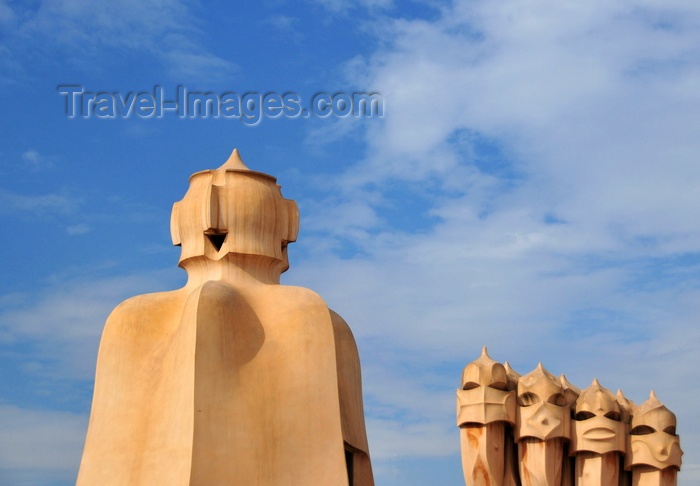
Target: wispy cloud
column 7, row 15
column 34, row 161
column 556, row 147
column 78, row 229
column 532, row 187
column 343, row 6
column 284, row 23
column 65, row 320
column 40, row 446
column 599, row 136
column 37, row 204
column 167, row 30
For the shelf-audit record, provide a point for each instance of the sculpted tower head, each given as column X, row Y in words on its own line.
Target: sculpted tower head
column 484, row 397
column 653, row 439
column 598, row 425
column 543, row 406
column 234, row 211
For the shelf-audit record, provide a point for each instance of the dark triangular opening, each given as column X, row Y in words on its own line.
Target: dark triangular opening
column 217, row 240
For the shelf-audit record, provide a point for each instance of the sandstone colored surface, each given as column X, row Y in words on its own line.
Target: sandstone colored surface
column 234, row 378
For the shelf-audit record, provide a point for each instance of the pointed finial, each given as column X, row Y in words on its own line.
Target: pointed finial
column 652, row 403
column 570, row 391
column 234, row 162
column 627, row 406
column 568, row 385
column 511, row 371
column 513, row 376
column 541, row 382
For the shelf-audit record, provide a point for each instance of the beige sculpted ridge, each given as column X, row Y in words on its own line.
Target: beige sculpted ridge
column 564, row 436
column 234, row 378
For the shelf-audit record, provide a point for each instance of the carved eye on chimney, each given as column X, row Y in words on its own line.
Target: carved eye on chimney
column 557, row 399
column 642, row 430
column 527, row 399
column 613, row 416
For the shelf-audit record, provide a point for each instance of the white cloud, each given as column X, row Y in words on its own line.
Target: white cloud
column 61, row 203
column 168, row 30
column 284, row 23
column 581, row 251
column 32, row 158
column 64, row 321
column 40, row 447
column 7, row 15
column 343, row 6
column 34, row 161
column 186, row 60
column 394, row 439
column 40, row 440
column 78, row 229
column 421, row 311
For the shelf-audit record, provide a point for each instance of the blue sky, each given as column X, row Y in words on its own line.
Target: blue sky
column 532, row 186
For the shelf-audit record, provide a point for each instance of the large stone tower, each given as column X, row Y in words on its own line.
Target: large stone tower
column 233, row 379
